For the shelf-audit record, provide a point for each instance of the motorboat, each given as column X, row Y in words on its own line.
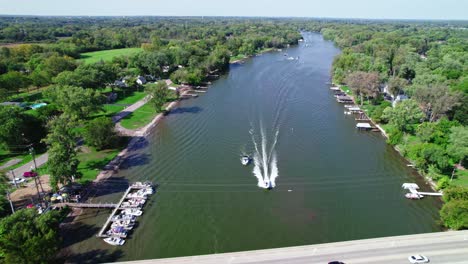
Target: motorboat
column 118, row 231
column 114, row 241
column 268, row 185
column 135, row 212
column 245, row 160
column 414, row 196
column 127, row 225
column 131, row 205
column 123, row 217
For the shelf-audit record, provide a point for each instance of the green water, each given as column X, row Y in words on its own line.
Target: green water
column 333, row 182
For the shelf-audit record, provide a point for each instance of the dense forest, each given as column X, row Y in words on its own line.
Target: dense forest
column 409, row 76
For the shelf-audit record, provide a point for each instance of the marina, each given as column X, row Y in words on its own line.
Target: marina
column 123, row 216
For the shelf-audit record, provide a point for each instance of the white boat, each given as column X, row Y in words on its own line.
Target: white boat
column 135, row 212
column 118, row 231
column 127, row 225
column 115, row 241
column 291, row 58
column 414, row 196
column 123, row 217
column 130, row 205
column 245, row 160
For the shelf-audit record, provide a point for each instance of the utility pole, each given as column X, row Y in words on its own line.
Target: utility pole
column 14, row 177
column 31, row 151
column 11, row 204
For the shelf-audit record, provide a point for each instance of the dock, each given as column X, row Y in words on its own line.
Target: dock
column 118, row 207
column 87, row 205
column 413, row 188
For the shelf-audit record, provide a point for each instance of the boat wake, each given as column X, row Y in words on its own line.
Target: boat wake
column 265, row 159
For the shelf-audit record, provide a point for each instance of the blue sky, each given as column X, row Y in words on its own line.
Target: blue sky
column 399, row 9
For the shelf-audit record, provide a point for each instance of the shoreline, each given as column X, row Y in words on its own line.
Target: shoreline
column 428, row 180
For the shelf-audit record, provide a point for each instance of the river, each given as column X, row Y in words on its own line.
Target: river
column 333, row 183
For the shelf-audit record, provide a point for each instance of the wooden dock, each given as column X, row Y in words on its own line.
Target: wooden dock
column 87, row 205
column 117, row 207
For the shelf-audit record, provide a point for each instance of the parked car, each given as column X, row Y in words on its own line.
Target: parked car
column 29, row 174
column 17, row 181
column 418, row 259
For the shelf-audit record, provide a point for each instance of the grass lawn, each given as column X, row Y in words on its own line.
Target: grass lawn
column 346, row 90
column 131, row 99
column 139, row 117
column 92, row 162
column 461, row 178
column 107, row 55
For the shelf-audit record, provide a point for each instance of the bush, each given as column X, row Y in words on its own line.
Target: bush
column 454, row 214
column 455, row 193
column 395, row 137
column 443, row 183
column 100, row 133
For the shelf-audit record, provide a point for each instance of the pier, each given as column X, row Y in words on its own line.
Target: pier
column 87, row 205
column 415, row 194
column 117, row 207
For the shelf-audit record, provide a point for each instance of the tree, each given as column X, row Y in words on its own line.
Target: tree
column 11, row 119
column 454, row 214
column 404, row 114
column 436, row 100
column 76, row 102
column 158, row 93
column 13, row 81
column 100, row 132
column 27, row 237
column 61, row 142
column 364, row 84
column 458, row 143
column 396, row 85
column 455, row 193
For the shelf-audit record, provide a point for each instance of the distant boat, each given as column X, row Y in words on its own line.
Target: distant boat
column 291, row 58
column 268, row 185
column 245, row 160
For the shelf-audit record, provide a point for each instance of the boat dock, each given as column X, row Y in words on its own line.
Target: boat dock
column 413, row 188
column 87, row 205
column 118, row 206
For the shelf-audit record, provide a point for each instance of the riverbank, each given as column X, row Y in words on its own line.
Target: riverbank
column 430, row 181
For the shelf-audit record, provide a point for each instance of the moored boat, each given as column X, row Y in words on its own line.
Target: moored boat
column 245, row 160
column 115, row 241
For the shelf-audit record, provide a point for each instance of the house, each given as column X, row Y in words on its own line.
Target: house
column 120, row 84
column 141, row 80
column 399, row 98
column 166, row 69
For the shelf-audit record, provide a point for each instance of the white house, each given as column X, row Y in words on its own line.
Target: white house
column 399, row 98
column 141, row 80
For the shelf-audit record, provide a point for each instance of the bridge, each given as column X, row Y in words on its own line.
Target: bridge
column 440, row 247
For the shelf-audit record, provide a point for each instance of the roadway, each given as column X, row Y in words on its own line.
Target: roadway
column 441, row 247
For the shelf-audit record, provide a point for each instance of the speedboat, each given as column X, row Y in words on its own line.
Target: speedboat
column 118, row 231
column 135, row 212
column 268, row 185
column 115, row 241
column 245, row 160
column 127, row 225
column 414, row 196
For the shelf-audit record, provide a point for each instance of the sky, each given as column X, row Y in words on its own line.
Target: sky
column 374, row 9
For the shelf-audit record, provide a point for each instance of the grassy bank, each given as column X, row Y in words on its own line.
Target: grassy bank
column 107, row 55
column 139, row 117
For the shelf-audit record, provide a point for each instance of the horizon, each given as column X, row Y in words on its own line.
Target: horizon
column 447, row 10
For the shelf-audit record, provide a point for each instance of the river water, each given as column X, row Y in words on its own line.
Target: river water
column 333, row 183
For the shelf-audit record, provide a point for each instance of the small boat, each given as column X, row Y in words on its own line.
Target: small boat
column 127, row 225
column 245, row 160
column 123, row 217
column 114, row 241
column 135, row 212
column 118, row 231
column 291, row 58
column 414, row 196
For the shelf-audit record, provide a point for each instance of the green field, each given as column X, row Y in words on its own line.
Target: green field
column 107, row 55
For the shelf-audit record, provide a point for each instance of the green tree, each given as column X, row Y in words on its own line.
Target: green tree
column 61, row 142
column 396, row 85
column 437, row 100
column 76, row 102
column 454, row 214
column 458, row 143
column 29, row 238
column 100, row 132
column 455, row 193
column 403, row 115
column 158, row 93
column 364, row 84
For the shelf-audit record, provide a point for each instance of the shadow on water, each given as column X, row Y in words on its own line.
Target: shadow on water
column 183, row 110
column 140, row 143
column 76, row 232
column 92, row 256
column 133, row 160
